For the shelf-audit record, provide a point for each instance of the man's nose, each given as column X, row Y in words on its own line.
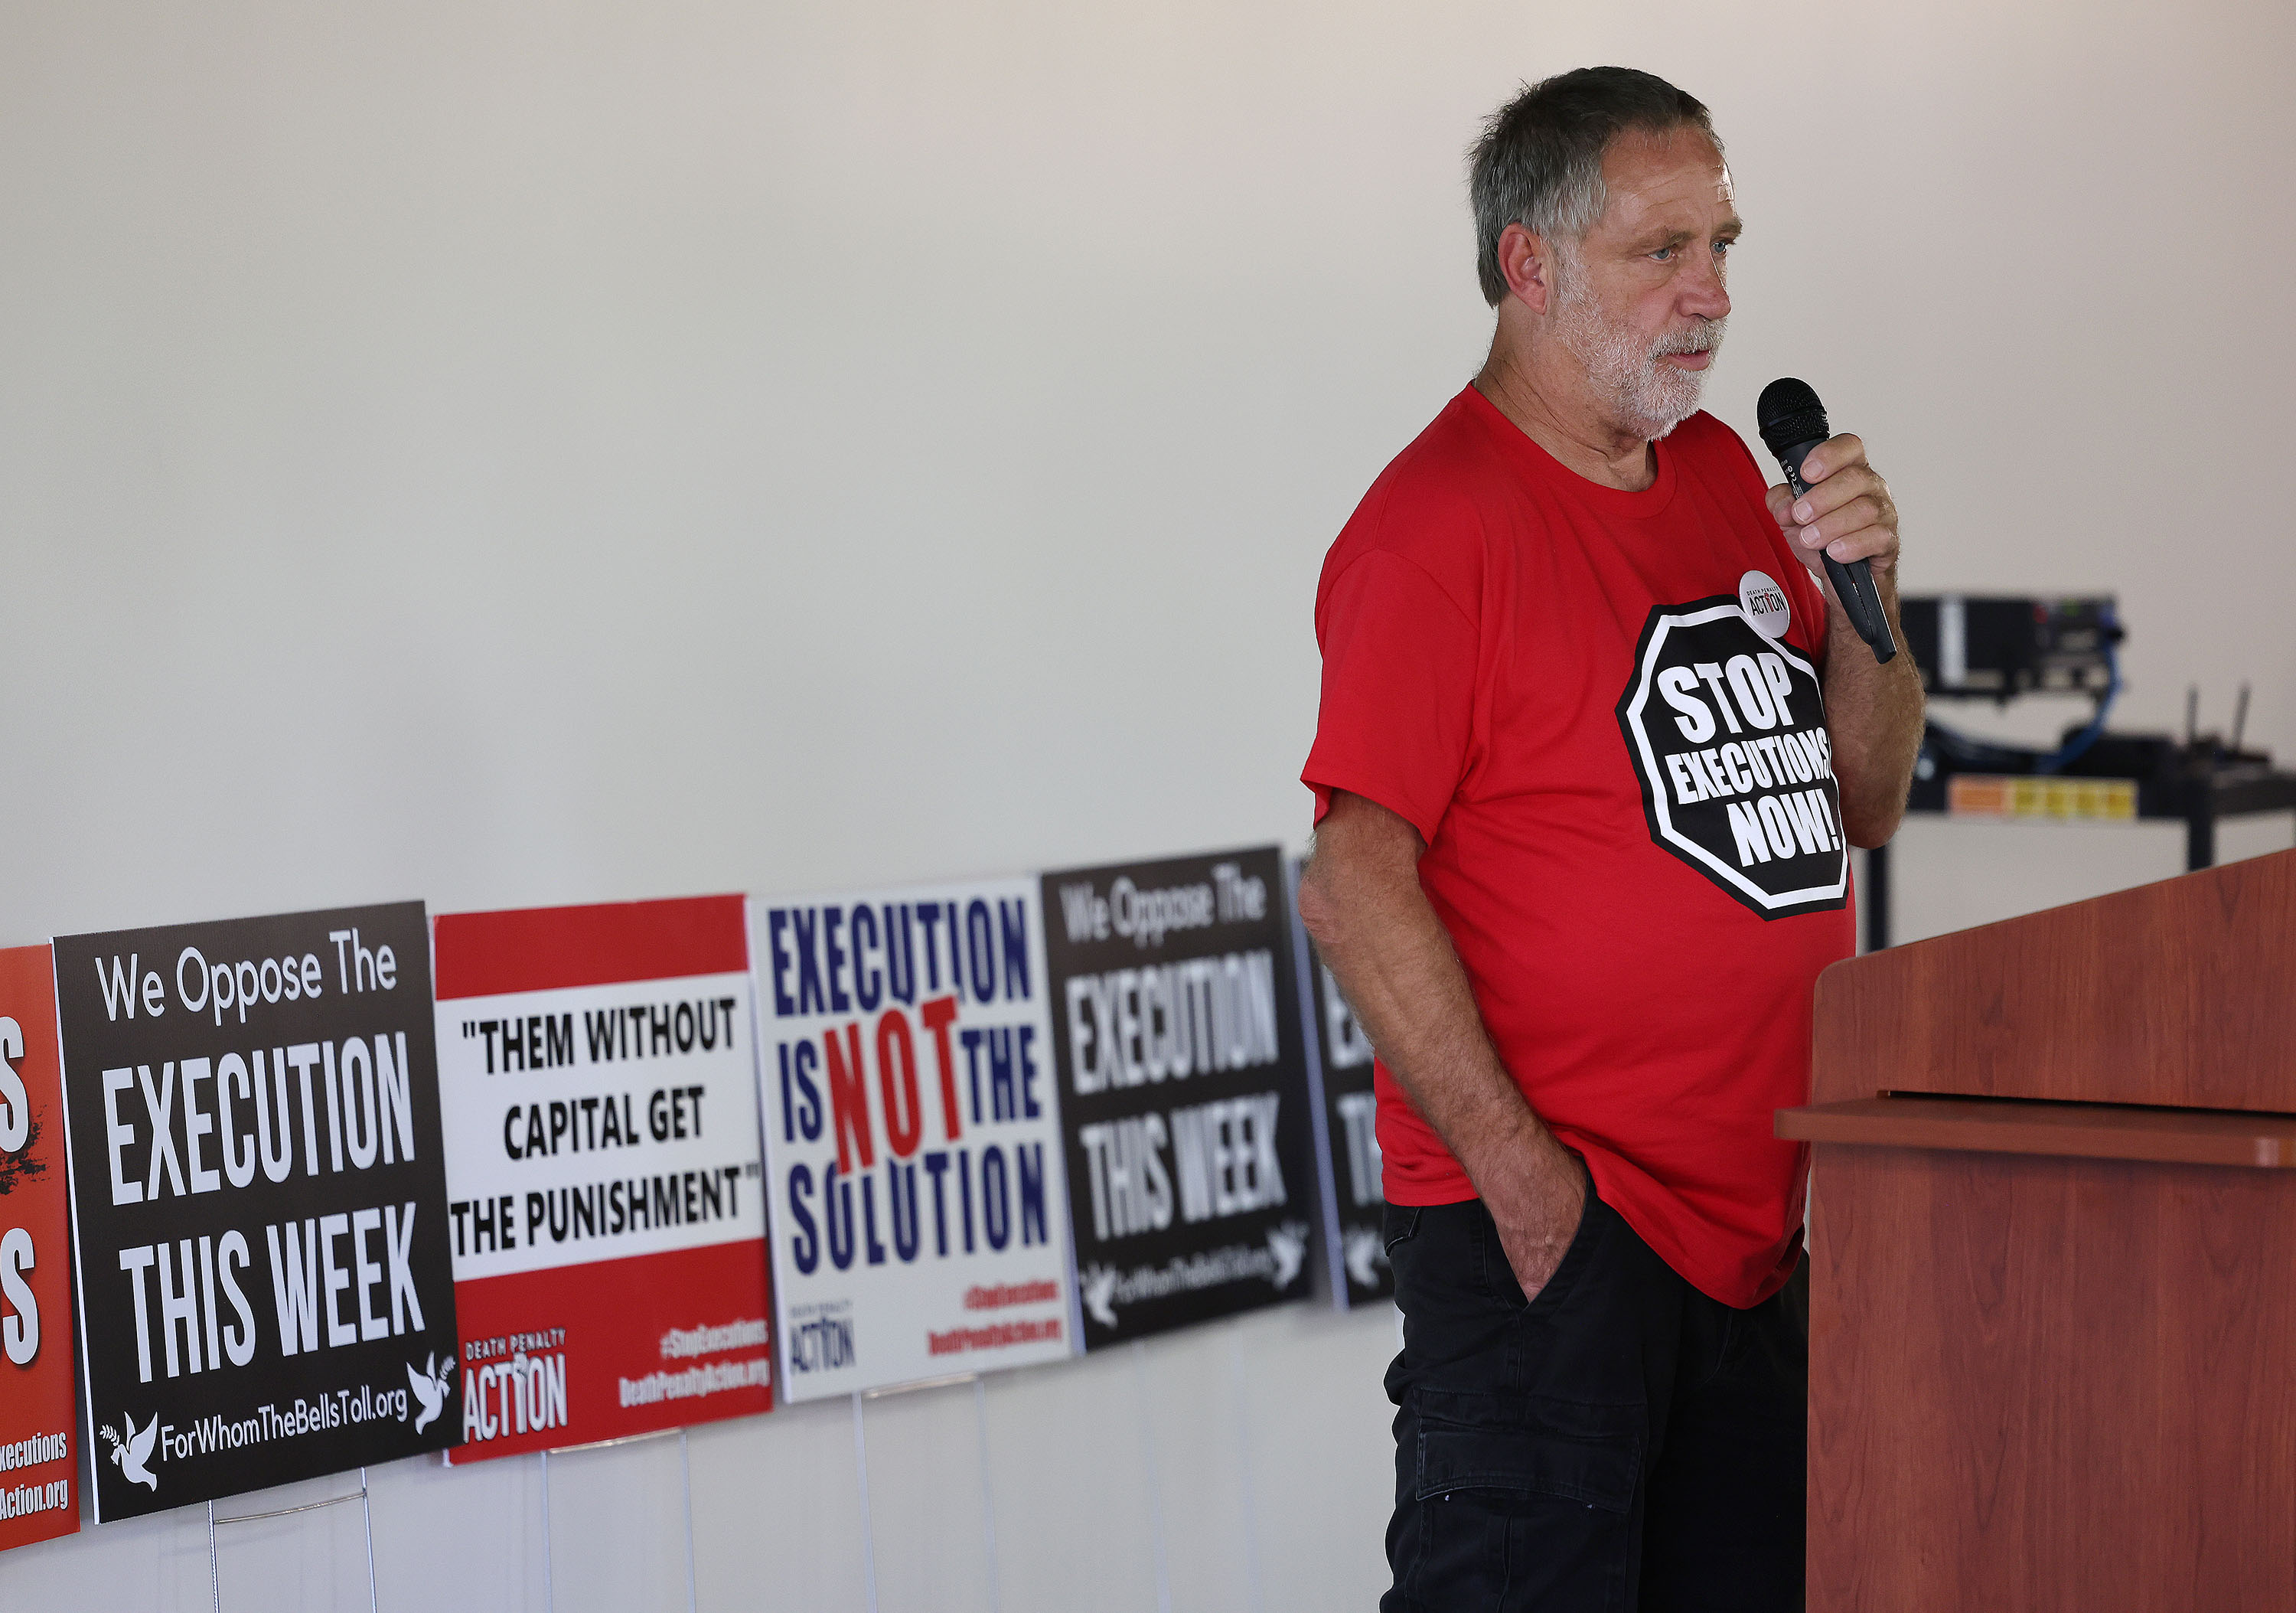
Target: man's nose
column 1702, row 291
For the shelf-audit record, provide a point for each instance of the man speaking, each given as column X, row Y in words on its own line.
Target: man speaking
column 1594, row 745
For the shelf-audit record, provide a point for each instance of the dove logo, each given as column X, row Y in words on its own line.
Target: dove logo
column 1288, row 1244
column 1365, row 1256
column 1100, row 1294
column 131, row 1453
column 432, row 1386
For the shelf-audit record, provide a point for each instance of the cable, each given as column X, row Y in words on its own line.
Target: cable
column 2075, row 748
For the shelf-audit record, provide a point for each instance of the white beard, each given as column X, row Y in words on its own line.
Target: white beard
column 1646, row 397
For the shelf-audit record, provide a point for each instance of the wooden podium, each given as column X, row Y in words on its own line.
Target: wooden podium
column 2053, row 1244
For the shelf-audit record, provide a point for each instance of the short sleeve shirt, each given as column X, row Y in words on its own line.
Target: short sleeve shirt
column 1602, row 712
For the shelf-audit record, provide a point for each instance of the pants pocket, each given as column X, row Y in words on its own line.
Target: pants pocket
column 1517, row 1503
column 1526, row 1445
column 1398, row 1223
column 1497, row 1271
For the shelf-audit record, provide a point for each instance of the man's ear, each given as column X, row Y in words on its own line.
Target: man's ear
column 1528, row 262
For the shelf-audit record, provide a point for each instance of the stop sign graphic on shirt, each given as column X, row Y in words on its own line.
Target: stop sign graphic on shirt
column 1726, row 731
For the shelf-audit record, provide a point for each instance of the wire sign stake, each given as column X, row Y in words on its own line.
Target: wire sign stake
column 215, row 1575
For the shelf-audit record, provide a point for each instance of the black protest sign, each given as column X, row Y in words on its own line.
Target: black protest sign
column 1347, row 1135
column 1184, row 1089
column 259, row 1202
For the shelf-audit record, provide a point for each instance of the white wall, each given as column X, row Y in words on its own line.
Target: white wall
column 516, row 454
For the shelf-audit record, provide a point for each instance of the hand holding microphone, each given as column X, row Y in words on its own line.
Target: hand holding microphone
column 1837, row 504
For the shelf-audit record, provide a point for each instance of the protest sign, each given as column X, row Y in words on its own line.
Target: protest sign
column 1184, row 1089
column 259, row 1202
column 919, row 1215
column 598, row 1076
column 37, row 1454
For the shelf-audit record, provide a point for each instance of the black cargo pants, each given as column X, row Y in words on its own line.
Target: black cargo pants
column 1621, row 1442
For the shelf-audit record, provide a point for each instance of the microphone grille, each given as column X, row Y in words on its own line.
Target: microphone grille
column 1788, row 412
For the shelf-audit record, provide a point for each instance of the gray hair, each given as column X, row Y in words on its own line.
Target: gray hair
column 1539, row 162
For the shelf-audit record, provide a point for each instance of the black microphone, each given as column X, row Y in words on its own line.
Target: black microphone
column 1792, row 421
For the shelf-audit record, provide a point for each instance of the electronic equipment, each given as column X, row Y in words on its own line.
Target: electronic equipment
column 1977, row 646
column 1981, row 647
column 1998, row 647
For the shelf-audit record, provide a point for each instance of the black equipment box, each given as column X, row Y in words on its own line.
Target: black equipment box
column 1976, row 647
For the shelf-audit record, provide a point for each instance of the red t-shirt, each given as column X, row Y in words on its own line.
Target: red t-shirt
column 1601, row 710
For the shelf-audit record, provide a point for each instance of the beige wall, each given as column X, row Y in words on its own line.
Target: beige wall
column 519, row 454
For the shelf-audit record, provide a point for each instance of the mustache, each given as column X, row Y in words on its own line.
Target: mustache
column 1703, row 338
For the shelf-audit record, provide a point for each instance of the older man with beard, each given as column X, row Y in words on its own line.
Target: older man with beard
column 1594, row 743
